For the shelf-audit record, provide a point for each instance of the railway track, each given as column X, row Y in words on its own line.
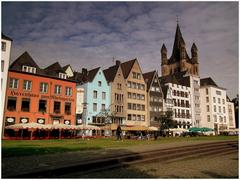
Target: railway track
column 128, row 159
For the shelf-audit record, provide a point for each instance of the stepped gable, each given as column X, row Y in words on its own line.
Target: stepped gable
column 6, row 37
column 24, row 59
column 127, row 66
column 207, row 82
column 110, row 73
column 148, row 77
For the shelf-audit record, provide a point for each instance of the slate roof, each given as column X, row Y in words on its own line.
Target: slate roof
column 65, row 67
column 24, row 59
column 110, row 73
column 50, row 71
column 127, row 66
column 6, row 37
column 148, row 77
column 176, row 78
column 207, row 82
column 164, row 90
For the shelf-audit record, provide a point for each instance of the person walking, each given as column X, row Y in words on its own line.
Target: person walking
column 119, row 132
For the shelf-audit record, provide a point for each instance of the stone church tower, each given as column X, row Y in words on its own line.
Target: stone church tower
column 179, row 60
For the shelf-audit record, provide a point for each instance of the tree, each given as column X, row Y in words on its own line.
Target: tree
column 166, row 122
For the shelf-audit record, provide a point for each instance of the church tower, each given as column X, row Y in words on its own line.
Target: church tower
column 179, row 60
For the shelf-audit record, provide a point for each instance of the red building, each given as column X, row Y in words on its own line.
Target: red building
column 44, row 96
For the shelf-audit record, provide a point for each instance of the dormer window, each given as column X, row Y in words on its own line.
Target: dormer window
column 62, row 76
column 29, row 69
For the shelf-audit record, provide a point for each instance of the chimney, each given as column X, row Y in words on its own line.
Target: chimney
column 84, row 71
column 118, row 62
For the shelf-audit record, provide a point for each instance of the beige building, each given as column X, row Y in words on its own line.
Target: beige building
column 136, row 94
column 231, row 114
column 118, row 88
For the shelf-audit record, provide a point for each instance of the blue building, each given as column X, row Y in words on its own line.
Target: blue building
column 96, row 95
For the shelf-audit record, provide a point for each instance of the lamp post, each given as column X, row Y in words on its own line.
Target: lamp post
column 84, row 116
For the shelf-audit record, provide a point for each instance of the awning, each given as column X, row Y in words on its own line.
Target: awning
column 134, row 128
column 178, row 130
column 87, row 127
column 28, row 126
column 152, row 128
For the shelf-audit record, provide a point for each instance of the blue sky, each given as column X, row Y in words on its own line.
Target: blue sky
column 87, row 34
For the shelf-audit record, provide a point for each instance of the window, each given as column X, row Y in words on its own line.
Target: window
column 62, row 76
column 129, row 117
column 43, row 87
column 67, row 108
column 215, row 108
column 13, row 83
column 2, row 65
column 119, row 86
column 25, row 105
column 68, row 91
column 11, row 104
column 4, row 45
column 215, row 118
column 208, row 118
column 142, row 117
column 138, row 76
column 134, row 75
column 214, row 99
column 42, row 105
column 27, row 85
column 207, row 99
column 224, row 110
column 129, row 95
column 218, row 92
column 103, row 95
column 57, row 107
column 58, row 89
column 206, row 91
column 223, row 101
column 29, row 69
column 225, row 119
column 94, row 107
column 99, row 83
column 129, row 106
column 208, row 108
column 219, row 108
column 219, row 100
column 134, row 117
column 95, row 94
column 103, row 107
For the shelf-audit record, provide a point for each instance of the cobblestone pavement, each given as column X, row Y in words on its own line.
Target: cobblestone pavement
column 26, row 164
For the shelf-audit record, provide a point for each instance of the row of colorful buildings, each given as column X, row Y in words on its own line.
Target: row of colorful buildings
column 119, row 95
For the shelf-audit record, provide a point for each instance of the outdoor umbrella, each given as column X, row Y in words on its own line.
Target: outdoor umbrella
column 194, row 129
column 87, row 126
column 206, row 129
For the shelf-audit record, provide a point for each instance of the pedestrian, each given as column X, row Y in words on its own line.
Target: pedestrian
column 119, row 132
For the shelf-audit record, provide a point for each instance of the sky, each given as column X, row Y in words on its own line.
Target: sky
column 92, row 34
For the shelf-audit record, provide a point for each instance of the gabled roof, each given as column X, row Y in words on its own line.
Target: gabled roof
column 148, row 77
column 207, row 82
column 110, row 73
column 168, row 79
column 92, row 73
column 24, row 59
column 65, row 67
column 127, row 66
column 54, row 69
column 6, row 37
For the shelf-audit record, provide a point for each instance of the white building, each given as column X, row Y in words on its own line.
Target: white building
column 6, row 51
column 178, row 99
column 214, row 106
column 79, row 105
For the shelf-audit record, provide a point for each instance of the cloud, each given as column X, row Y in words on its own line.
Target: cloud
column 87, row 34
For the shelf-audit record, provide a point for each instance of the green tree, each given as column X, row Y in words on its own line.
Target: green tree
column 166, row 121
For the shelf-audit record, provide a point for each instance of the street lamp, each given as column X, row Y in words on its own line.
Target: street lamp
column 84, row 116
